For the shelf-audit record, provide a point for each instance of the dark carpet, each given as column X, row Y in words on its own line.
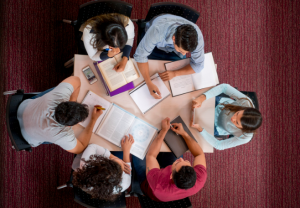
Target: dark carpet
column 256, row 46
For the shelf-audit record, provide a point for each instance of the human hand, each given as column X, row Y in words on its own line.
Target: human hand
column 96, row 112
column 127, row 168
column 178, row 128
column 113, row 51
column 165, row 124
column 195, row 126
column 167, row 75
column 126, row 143
column 198, row 101
column 152, row 89
column 119, row 67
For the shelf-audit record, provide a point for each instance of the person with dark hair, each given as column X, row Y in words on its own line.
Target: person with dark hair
column 49, row 116
column 165, row 178
column 101, row 173
column 234, row 116
column 170, row 37
column 106, row 35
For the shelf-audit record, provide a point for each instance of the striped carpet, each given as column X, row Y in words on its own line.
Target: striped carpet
column 256, row 46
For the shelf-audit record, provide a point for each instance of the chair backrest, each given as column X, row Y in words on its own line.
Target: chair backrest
column 253, row 97
column 85, row 199
column 172, row 8
column 94, row 8
column 146, row 202
column 12, row 123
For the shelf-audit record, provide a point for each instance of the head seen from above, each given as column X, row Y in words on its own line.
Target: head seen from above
column 108, row 29
column 99, row 177
column 185, row 39
column 183, row 174
column 71, row 113
column 248, row 119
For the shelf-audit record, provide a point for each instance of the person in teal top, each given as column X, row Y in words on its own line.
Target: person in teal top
column 233, row 116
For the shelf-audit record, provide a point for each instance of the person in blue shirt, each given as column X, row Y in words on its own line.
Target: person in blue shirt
column 233, row 116
column 170, row 37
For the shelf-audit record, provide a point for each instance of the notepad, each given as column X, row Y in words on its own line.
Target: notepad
column 115, row 123
column 208, row 76
column 142, row 97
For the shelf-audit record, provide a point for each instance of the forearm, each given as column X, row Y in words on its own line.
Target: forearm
column 126, row 156
column 85, row 136
column 184, row 71
column 156, row 144
column 193, row 146
column 74, row 96
column 144, row 69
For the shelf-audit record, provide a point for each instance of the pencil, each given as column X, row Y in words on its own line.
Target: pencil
column 100, row 108
column 172, row 127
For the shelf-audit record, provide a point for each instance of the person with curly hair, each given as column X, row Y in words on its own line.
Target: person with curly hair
column 100, row 173
column 236, row 117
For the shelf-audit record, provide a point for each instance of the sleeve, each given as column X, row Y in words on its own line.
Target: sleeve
column 153, row 177
column 201, row 173
column 197, row 56
column 227, row 143
column 61, row 93
column 147, row 44
column 126, row 179
column 226, row 89
column 93, row 53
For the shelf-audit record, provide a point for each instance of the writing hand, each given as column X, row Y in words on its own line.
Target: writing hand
column 152, row 89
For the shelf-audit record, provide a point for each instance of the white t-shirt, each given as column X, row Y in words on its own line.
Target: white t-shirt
column 93, row 53
column 94, row 149
column 37, row 122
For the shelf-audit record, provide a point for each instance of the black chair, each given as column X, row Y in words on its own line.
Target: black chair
column 166, row 8
column 92, row 9
column 252, row 96
column 85, row 199
column 12, row 124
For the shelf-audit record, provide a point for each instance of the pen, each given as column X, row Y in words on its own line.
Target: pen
column 155, row 92
column 172, row 127
column 100, row 108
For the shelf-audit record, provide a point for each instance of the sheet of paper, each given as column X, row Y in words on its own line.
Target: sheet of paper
column 208, row 76
column 115, row 125
column 115, row 80
column 142, row 97
column 143, row 134
column 91, row 99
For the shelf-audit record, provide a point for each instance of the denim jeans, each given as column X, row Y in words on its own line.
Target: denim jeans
column 218, row 98
column 118, row 154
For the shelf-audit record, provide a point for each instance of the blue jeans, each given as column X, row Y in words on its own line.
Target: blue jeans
column 118, row 154
column 218, row 98
column 164, row 159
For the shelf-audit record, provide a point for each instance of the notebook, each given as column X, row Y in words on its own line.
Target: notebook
column 115, row 122
column 142, row 97
column 113, row 79
column 124, row 88
column 176, row 142
column 187, row 83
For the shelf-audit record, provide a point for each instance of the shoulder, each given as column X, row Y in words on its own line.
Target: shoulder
column 200, row 170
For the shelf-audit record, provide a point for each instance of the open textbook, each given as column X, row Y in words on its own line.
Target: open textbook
column 187, row 83
column 142, row 97
column 116, row 122
column 113, row 79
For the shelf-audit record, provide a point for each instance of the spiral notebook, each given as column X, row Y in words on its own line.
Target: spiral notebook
column 142, row 97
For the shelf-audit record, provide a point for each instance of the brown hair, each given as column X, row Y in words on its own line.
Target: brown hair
column 99, row 177
column 109, row 29
column 251, row 119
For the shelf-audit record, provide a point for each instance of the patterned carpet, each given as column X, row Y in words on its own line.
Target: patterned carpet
column 256, row 46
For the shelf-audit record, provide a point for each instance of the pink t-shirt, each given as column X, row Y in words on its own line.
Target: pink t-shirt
column 159, row 187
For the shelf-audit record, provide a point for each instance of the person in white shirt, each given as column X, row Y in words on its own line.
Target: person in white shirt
column 100, row 173
column 106, row 35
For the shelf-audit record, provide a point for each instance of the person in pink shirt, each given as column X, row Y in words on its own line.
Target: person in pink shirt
column 169, row 178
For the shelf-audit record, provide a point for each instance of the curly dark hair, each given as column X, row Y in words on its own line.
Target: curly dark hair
column 71, row 113
column 99, row 177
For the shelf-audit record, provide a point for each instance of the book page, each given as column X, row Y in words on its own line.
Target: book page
column 129, row 72
column 208, row 76
column 143, row 134
column 180, row 84
column 91, row 99
column 115, row 125
column 114, row 80
column 142, row 97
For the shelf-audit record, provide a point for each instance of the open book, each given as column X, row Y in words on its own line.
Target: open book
column 116, row 122
column 113, row 79
column 187, row 83
column 142, row 97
